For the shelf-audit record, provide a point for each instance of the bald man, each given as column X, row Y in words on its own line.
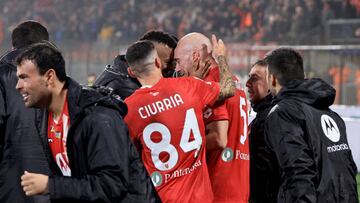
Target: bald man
column 226, row 126
column 173, row 150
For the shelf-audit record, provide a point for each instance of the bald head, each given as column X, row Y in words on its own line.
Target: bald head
column 193, row 41
column 192, row 45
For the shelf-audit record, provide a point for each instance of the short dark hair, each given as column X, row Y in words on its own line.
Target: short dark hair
column 160, row 37
column 27, row 33
column 45, row 56
column 260, row 62
column 139, row 51
column 286, row 64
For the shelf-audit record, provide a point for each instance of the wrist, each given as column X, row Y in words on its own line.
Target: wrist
column 221, row 57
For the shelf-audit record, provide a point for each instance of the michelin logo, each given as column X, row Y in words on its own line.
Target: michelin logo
column 332, row 132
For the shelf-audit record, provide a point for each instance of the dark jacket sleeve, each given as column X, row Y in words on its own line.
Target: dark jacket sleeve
column 104, row 138
column 2, row 118
column 284, row 134
column 123, row 87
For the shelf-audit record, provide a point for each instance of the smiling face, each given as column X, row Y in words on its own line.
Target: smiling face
column 32, row 86
column 183, row 59
column 257, row 83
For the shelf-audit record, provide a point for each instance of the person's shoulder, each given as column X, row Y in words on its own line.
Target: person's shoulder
column 287, row 110
column 98, row 115
column 95, row 97
column 4, row 66
column 7, row 72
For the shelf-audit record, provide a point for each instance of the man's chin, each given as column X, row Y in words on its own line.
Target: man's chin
column 31, row 105
column 28, row 105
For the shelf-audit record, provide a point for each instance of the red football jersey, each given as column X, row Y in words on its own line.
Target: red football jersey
column 57, row 136
column 229, row 168
column 165, row 121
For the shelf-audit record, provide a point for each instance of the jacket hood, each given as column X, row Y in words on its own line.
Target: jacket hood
column 120, row 64
column 314, row 92
column 82, row 97
column 10, row 56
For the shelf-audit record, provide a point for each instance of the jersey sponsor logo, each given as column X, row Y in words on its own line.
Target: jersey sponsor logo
column 227, row 154
column 337, row 147
column 182, row 171
column 156, row 178
column 332, row 132
column 330, row 128
column 242, row 156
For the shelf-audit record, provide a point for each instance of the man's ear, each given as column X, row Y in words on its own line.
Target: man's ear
column 195, row 54
column 131, row 73
column 50, row 76
column 158, row 62
column 273, row 80
column 205, row 51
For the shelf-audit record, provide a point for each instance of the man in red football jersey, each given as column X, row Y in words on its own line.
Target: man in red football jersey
column 165, row 121
column 228, row 165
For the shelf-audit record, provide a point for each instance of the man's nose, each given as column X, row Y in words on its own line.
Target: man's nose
column 177, row 67
column 247, row 84
column 19, row 84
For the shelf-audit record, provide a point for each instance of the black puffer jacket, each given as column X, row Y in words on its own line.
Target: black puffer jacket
column 264, row 172
column 105, row 165
column 310, row 144
column 116, row 77
column 20, row 147
column 10, row 56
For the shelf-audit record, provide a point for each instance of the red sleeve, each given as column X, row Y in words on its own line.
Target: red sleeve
column 216, row 114
column 208, row 91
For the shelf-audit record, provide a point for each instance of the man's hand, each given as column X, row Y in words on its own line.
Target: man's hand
column 201, row 69
column 227, row 85
column 219, row 48
column 34, row 183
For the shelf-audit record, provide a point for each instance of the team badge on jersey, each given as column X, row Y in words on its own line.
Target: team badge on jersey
column 330, row 128
column 156, row 178
column 227, row 154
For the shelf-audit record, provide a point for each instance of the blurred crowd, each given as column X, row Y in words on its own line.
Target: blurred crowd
column 111, row 21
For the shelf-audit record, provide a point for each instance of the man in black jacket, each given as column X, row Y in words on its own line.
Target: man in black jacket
column 20, row 147
column 116, row 76
column 308, row 139
column 87, row 143
column 263, row 177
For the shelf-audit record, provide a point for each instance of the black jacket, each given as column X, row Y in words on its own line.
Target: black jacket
column 20, row 146
column 310, row 144
column 264, row 173
column 105, row 165
column 10, row 56
column 116, row 77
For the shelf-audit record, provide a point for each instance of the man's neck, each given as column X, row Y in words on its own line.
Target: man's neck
column 58, row 100
column 150, row 80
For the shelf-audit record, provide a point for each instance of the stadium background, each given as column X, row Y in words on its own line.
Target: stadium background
column 91, row 33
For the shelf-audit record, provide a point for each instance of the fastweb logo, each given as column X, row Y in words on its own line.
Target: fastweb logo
column 332, row 132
